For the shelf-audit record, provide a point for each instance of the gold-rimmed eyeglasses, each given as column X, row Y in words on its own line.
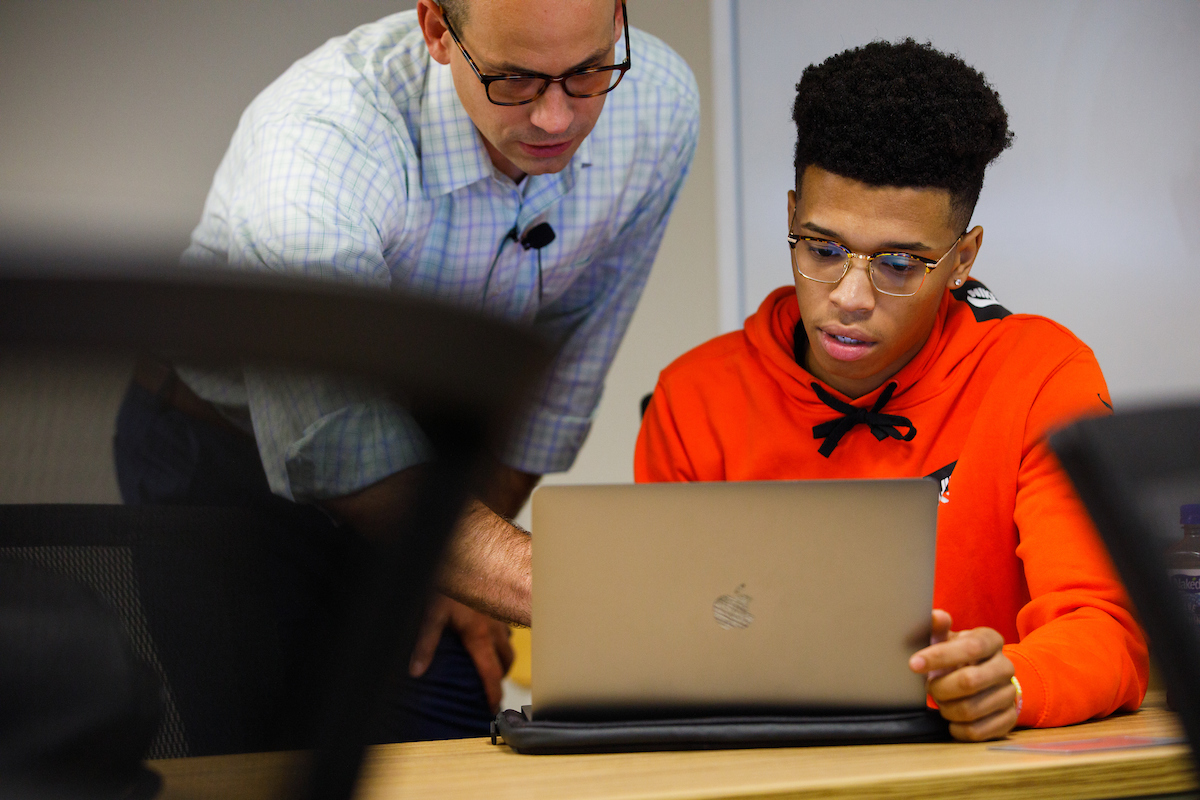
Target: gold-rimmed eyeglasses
column 892, row 273
column 517, row 90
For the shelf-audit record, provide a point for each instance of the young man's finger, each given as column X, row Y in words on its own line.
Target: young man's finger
column 942, row 622
column 939, row 631
column 995, row 726
column 965, row 647
column 972, row 679
column 996, row 697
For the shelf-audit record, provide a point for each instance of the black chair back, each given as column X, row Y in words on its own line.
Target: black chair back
column 1133, row 471
column 463, row 377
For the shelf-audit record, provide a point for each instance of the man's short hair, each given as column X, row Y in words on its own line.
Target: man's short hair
column 455, row 11
column 901, row 114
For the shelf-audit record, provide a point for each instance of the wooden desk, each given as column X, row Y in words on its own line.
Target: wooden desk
column 473, row 768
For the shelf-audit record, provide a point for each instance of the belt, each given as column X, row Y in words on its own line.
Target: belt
column 162, row 381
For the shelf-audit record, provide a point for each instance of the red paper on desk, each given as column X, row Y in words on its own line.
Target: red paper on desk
column 1092, row 745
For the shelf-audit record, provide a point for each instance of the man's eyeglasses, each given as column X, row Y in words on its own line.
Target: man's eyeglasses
column 895, row 274
column 517, row 90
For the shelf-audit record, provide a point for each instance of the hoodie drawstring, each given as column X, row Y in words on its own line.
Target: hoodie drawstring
column 882, row 425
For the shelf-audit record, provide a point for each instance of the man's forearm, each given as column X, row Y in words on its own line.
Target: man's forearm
column 487, row 565
column 487, row 561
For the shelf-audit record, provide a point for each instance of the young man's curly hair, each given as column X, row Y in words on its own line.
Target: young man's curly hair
column 901, row 114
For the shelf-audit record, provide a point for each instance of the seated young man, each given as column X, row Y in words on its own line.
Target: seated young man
column 885, row 360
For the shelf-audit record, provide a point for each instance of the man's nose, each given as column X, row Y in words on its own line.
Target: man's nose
column 855, row 292
column 552, row 111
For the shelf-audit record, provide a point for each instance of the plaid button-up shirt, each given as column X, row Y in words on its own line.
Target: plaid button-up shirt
column 360, row 164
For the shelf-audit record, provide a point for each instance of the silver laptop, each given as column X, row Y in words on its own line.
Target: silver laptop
column 730, row 598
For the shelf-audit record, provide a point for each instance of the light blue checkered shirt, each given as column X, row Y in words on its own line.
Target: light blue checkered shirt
column 359, row 163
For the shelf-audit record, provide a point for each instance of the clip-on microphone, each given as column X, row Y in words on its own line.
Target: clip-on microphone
column 538, row 237
column 535, row 238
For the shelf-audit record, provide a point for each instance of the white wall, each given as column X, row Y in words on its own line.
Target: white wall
column 1091, row 218
column 114, row 114
column 113, row 117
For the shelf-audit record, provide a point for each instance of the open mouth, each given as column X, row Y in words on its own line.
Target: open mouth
column 845, row 348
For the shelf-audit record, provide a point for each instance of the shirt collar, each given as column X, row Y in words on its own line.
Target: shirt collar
column 452, row 151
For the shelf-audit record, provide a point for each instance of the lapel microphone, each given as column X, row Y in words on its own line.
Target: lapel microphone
column 535, row 238
column 538, row 237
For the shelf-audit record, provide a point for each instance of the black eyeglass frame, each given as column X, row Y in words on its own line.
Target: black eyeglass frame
column 488, row 80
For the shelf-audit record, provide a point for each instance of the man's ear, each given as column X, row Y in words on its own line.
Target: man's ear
column 433, row 27
column 791, row 208
column 967, row 250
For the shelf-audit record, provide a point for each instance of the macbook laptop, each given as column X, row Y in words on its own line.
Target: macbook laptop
column 693, row 599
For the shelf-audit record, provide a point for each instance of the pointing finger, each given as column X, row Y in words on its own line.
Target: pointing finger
column 939, row 632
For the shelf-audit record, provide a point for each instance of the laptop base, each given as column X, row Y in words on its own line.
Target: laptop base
column 716, row 733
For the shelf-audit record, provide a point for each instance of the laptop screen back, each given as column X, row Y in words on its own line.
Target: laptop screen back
column 698, row 598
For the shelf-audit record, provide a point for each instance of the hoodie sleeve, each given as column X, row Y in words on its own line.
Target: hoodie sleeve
column 1081, row 653
column 660, row 455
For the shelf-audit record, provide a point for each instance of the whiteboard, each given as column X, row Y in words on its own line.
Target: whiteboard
column 1092, row 218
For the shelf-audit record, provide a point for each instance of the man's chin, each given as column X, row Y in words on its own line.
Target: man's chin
column 533, row 165
column 544, row 166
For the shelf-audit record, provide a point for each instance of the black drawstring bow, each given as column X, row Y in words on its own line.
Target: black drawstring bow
column 882, row 425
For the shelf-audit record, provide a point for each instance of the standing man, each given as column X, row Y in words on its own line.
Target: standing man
column 471, row 152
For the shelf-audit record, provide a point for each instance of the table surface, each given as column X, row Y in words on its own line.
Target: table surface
column 474, row 768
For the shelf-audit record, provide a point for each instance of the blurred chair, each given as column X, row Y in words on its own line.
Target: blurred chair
column 188, row 587
column 79, row 706
column 1133, row 471
column 461, row 376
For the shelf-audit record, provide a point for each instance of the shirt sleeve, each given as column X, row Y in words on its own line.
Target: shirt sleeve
column 312, row 197
column 590, row 319
column 1081, row 653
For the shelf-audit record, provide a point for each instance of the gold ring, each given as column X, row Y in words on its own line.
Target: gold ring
column 1020, row 698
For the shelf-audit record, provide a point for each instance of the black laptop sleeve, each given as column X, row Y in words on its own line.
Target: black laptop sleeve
column 544, row 737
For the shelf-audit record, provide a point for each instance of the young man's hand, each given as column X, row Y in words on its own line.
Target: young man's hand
column 970, row 678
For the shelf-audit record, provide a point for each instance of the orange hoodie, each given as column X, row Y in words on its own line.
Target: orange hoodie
column 1015, row 549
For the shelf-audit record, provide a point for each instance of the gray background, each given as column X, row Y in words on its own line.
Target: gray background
column 1093, row 216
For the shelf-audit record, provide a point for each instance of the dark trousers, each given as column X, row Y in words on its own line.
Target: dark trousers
column 166, row 457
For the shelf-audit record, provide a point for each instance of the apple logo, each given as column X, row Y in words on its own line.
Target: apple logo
column 733, row 610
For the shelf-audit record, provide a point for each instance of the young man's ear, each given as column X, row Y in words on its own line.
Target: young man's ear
column 433, row 27
column 964, row 257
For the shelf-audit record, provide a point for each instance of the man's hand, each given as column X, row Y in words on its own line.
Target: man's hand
column 970, row 678
column 486, row 639
column 487, row 559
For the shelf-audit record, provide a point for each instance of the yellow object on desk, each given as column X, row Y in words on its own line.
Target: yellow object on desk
column 520, row 673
